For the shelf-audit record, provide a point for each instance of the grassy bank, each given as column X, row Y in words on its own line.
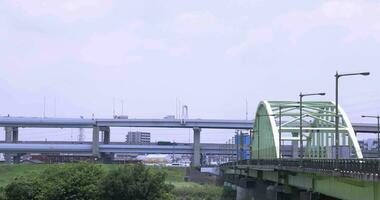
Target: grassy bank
column 9, row 172
column 175, row 176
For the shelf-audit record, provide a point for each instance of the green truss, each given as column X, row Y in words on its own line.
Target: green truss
column 318, row 130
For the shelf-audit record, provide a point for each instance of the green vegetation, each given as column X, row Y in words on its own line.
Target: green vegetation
column 204, row 192
column 98, row 181
column 135, row 182
column 9, row 172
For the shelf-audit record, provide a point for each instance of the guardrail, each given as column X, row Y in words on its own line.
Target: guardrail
column 345, row 167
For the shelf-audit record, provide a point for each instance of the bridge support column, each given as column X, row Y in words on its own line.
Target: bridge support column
column 11, row 136
column 14, row 134
column 95, row 141
column 8, row 139
column 244, row 193
column 197, row 148
column 17, row 157
column 106, row 135
column 106, row 157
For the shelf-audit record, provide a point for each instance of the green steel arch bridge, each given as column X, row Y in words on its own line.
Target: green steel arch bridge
column 319, row 169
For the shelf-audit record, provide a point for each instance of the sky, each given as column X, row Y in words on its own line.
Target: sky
column 83, row 55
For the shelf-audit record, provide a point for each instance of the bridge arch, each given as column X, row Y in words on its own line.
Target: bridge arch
column 318, row 130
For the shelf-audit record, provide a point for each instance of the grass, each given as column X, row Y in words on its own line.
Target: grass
column 175, row 176
column 193, row 191
column 9, row 172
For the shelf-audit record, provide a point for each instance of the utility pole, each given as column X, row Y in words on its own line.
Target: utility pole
column 337, row 76
column 301, row 121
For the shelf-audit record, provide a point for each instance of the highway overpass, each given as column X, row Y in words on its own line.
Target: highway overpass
column 35, row 122
column 41, row 147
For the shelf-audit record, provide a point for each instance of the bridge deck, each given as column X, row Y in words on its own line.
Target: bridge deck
column 363, row 169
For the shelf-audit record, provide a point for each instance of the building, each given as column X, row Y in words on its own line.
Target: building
column 154, row 158
column 368, row 144
column 138, row 137
column 242, row 142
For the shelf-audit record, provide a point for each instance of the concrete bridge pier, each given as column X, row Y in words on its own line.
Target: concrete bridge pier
column 197, row 148
column 265, row 191
column 244, row 193
column 106, row 135
column 8, row 139
column 11, row 136
column 106, row 138
column 95, row 142
column 16, row 157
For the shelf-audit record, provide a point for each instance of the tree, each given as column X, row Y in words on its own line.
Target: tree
column 64, row 182
column 89, row 182
column 71, row 182
column 135, row 182
column 21, row 189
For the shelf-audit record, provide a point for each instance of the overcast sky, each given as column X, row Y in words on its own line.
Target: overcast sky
column 212, row 55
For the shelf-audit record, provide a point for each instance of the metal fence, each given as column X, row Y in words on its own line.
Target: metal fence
column 345, row 166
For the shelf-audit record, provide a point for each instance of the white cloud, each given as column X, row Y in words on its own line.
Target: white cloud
column 151, row 44
column 67, row 10
column 122, row 48
column 257, row 36
column 195, row 23
column 359, row 18
column 115, row 48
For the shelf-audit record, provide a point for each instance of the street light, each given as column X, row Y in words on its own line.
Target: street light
column 279, row 132
column 337, row 76
column 301, row 135
column 378, row 131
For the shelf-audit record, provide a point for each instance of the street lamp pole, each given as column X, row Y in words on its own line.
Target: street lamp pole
column 279, row 132
column 378, row 131
column 337, row 76
column 301, row 123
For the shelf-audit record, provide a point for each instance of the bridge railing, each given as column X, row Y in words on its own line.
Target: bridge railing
column 345, row 166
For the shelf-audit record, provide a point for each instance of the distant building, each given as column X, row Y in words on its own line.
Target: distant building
column 242, row 141
column 138, row 137
column 361, row 145
column 368, row 144
column 154, row 158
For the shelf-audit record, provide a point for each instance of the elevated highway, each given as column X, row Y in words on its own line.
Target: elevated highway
column 41, row 147
column 36, row 122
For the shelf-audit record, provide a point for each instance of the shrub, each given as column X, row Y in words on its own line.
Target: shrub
column 135, row 182
column 2, row 193
column 21, row 189
column 65, row 182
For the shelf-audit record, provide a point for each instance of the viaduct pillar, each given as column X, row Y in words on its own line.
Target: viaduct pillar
column 17, row 157
column 197, row 148
column 106, row 135
column 244, row 193
column 11, row 136
column 106, row 157
column 8, row 139
column 95, row 141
